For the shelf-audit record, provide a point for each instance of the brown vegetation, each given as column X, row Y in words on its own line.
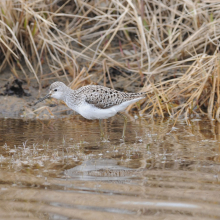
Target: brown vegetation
column 171, row 47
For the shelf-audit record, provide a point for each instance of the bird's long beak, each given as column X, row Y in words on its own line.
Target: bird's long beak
column 42, row 99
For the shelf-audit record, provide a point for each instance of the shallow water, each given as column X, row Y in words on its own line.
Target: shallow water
column 63, row 169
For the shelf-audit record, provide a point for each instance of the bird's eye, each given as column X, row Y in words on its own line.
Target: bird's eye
column 55, row 90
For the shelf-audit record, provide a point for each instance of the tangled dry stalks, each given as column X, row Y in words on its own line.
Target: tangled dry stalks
column 171, row 46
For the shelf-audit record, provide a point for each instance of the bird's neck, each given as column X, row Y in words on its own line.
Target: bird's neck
column 70, row 98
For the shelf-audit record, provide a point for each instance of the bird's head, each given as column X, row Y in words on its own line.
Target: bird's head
column 56, row 90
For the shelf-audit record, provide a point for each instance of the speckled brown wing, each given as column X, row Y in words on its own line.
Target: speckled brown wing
column 103, row 97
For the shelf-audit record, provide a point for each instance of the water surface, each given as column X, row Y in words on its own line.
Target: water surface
column 63, row 169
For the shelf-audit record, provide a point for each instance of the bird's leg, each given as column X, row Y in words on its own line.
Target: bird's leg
column 101, row 128
column 125, row 124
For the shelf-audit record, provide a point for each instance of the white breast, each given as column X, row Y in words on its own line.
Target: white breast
column 91, row 112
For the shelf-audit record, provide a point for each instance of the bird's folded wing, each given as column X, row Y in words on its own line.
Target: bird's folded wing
column 102, row 100
column 102, row 97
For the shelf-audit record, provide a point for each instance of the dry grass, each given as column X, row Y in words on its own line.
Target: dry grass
column 172, row 46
